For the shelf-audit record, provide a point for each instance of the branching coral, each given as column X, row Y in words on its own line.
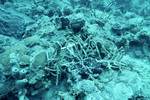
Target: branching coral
column 84, row 55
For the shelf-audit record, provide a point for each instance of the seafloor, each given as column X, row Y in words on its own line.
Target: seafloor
column 74, row 50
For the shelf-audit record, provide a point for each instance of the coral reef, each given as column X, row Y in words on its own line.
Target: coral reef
column 74, row 50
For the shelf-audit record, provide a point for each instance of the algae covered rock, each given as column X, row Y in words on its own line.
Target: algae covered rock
column 122, row 92
column 13, row 23
column 40, row 59
column 31, row 41
column 20, row 49
column 85, row 86
column 77, row 24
